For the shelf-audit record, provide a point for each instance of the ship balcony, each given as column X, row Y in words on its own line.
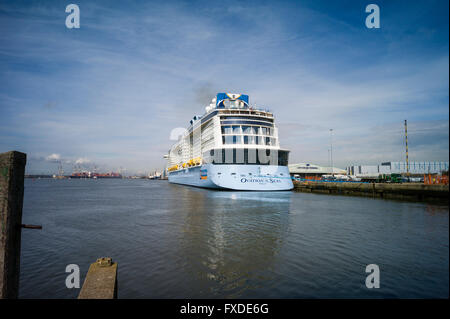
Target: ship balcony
column 248, row 111
column 249, row 140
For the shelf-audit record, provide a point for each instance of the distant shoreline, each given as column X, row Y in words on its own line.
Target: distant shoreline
column 38, row 176
column 102, row 177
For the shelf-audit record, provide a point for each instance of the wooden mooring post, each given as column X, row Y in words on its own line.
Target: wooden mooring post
column 12, row 170
column 101, row 280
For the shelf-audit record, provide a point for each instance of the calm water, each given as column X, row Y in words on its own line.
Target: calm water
column 180, row 242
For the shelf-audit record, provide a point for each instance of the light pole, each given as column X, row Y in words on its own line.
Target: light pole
column 406, row 142
column 331, row 151
column 328, row 158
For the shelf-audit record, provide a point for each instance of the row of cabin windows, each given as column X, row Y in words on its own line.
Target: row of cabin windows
column 247, row 118
column 248, row 139
column 239, row 129
column 247, row 156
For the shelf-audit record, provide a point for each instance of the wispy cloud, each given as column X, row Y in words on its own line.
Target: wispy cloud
column 53, row 157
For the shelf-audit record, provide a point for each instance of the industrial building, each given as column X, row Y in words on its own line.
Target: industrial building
column 309, row 170
column 415, row 168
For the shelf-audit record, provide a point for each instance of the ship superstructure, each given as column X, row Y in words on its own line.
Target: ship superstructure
column 231, row 146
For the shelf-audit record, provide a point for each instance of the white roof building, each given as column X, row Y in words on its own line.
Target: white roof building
column 415, row 168
column 312, row 169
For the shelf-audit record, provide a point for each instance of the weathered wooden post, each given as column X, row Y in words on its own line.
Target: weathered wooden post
column 101, row 280
column 12, row 170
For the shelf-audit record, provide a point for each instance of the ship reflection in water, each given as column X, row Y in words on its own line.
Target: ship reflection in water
column 174, row 241
column 239, row 235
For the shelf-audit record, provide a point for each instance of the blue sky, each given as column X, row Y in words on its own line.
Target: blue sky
column 110, row 92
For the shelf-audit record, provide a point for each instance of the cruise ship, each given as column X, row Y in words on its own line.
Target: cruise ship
column 232, row 146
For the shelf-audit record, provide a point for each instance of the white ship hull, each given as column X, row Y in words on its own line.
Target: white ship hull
column 235, row 177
